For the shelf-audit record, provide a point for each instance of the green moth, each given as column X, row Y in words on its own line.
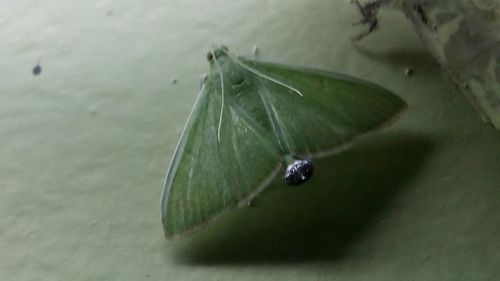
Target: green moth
column 250, row 120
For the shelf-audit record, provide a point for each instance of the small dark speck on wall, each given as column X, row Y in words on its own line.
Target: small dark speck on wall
column 37, row 70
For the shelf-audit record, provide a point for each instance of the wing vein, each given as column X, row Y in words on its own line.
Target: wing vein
column 276, row 123
column 222, row 98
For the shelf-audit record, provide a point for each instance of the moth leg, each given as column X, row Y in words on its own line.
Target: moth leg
column 255, row 51
column 421, row 13
column 203, row 80
column 368, row 13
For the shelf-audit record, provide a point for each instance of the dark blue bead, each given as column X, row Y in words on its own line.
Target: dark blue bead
column 298, row 172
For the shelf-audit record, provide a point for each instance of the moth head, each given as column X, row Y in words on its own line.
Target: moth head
column 216, row 53
column 224, row 68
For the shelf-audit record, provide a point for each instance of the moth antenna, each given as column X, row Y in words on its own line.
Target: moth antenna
column 222, row 90
column 256, row 72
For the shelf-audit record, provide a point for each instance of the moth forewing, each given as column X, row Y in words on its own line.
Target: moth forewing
column 174, row 162
column 224, row 158
column 332, row 110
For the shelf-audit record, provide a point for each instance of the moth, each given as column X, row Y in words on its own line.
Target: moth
column 252, row 119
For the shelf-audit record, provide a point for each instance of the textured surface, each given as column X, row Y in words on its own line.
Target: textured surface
column 464, row 37
column 84, row 147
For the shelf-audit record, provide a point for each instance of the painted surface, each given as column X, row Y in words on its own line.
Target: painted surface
column 85, row 144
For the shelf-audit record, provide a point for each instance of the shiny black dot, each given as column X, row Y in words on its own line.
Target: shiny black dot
column 298, row 172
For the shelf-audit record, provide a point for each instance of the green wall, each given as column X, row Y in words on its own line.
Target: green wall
column 85, row 144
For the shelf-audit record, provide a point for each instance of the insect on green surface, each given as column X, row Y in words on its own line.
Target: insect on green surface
column 253, row 118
